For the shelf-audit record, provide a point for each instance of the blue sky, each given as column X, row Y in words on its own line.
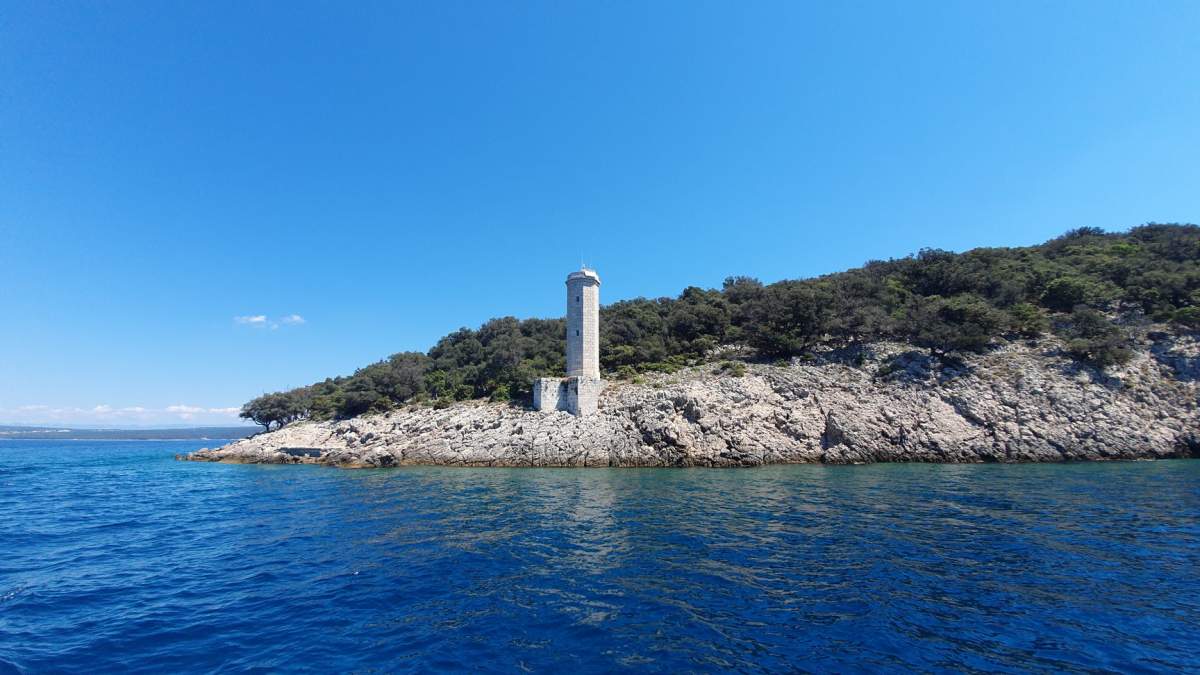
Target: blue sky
column 370, row 176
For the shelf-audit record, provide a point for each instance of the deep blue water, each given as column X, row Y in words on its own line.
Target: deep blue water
column 115, row 557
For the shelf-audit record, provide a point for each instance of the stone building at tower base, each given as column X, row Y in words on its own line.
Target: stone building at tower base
column 576, row 395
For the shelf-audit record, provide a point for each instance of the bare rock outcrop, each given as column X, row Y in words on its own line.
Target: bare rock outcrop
column 889, row 403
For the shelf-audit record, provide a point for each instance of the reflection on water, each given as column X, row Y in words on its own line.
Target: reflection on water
column 117, row 557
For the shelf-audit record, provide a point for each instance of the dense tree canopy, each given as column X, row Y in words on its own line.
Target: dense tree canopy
column 278, row 409
column 942, row 301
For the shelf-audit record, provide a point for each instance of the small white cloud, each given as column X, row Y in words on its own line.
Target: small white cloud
column 102, row 409
column 264, row 321
column 184, row 409
column 185, row 412
column 224, row 411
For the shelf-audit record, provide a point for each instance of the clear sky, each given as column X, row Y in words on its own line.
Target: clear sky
column 367, row 177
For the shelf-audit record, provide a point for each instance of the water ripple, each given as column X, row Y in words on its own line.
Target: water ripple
column 115, row 557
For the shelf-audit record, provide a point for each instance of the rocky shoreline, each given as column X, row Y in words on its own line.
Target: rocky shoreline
column 886, row 402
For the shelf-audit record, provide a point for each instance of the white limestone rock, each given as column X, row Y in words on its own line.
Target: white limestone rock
column 1020, row 403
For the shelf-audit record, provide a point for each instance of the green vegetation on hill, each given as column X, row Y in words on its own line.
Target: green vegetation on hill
column 1074, row 286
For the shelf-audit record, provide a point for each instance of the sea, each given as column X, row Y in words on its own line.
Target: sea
column 114, row 557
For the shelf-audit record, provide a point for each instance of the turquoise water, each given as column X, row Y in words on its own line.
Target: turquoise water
column 116, row 557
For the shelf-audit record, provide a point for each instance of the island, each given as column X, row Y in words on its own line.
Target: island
column 1081, row 348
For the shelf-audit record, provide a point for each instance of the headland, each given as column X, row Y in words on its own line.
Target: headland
column 882, row 402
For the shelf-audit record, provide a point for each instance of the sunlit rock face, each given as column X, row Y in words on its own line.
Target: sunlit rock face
column 1020, row 403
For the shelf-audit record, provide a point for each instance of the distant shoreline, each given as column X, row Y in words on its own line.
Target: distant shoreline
column 130, row 440
column 64, row 433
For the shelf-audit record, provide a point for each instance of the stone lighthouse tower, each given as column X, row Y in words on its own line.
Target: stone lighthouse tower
column 579, row 392
column 583, row 324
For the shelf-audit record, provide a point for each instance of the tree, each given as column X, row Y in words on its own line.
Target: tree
column 439, row 383
column 1085, row 231
column 740, row 290
column 698, row 321
column 788, row 317
column 278, row 409
column 1188, row 316
column 1064, row 293
column 1027, row 320
column 359, row 396
column 1094, row 339
column 963, row 322
column 861, row 306
column 638, row 324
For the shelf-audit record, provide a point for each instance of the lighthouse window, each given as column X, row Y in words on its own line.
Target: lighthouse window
column 577, row 333
column 577, row 298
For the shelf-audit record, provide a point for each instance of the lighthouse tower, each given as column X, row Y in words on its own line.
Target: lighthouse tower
column 579, row 392
column 583, row 324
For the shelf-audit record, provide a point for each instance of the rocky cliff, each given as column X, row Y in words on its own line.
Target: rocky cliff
column 1024, row 402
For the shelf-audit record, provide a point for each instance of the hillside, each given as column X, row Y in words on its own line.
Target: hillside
column 1026, row 401
column 1089, row 292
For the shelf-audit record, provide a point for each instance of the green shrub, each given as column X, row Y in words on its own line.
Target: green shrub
column 732, row 368
column 663, row 367
column 626, row 373
column 962, row 322
column 1093, row 339
column 1187, row 316
column 1027, row 320
column 886, row 369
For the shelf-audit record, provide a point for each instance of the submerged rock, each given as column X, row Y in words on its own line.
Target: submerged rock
column 1019, row 403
